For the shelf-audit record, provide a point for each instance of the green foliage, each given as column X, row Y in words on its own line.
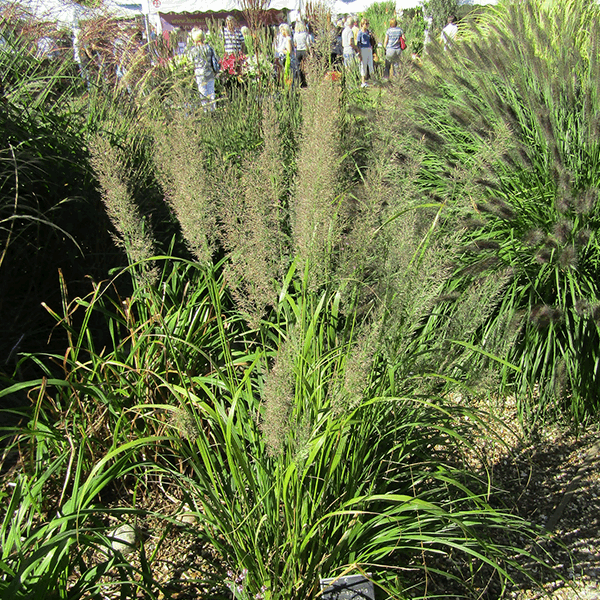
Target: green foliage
column 282, row 375
column 50, row 214
column 299, row 462
column 413, row 25
column 379, row 15
column 510, row 147
column 318, row 479
column 440, row 10
column 39, row 552
column 103, row 422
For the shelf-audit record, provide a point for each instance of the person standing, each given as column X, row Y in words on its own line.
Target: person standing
column 285, row 54
column 206, row 66
column 302, row 43
column 233, row 37
column 349, row 49
column 449, row 32
column 365, row 47
column 393, row 48
column 336, row 44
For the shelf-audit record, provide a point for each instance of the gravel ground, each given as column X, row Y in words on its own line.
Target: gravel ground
column 552, row 479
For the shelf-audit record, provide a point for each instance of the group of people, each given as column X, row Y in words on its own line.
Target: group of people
column 290, row 51
column 359, row 44
column 353, row 44
column 292, row 44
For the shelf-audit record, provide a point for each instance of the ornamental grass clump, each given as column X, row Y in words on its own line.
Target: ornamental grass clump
column 186, row 184
column 506, row 127
column 253, row 223
column 296, row 477
column 317, row 206
column 109, row 164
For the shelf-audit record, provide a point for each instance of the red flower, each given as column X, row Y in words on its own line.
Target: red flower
column 232, row 64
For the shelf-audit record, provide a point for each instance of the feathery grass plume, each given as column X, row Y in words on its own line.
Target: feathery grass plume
column 110, row 167
column 315, row 207
column 416, row 266
column 318, row 14
column 278, row 394
column 185, row 424
column 360, row 269
column 562, row 231
column 567, row 258
column 586, row 201
column 543, row 315
column 186, row 183
column 470, row 318
column 534, row 237
column 351, row 384
column 253, row 224
column 544, row 254
column 400, row 263
column 583, row 237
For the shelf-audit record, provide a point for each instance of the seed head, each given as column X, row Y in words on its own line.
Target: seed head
column 543, row 315
column 568, row 258
column 582, row 307
column 562, row 204
column 472, row 223
column 534, row 237
column 487, row 184
column 585, row 201
column 447, row 298
column 562, row 230
column 479, row 245
column 544, row 255
column 583, row 237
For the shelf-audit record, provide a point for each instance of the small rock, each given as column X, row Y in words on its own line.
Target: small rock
column 123, row 539
column 187, row 517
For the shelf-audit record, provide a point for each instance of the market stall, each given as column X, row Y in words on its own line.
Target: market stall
column 186, row 14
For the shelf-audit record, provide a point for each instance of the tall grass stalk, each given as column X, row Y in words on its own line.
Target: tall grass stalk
column 110, row 167
column 185, row 182
column 317, row 210
column 254, row 220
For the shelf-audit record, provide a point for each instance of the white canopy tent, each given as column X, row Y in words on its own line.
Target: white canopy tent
column 124, row 9
column 67, row 13
column 159, row 9
column 342, row 7
column 202, row 6
column 62, row 12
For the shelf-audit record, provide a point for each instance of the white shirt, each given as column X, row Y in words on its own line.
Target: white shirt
column 448, row 34
column 347, row 39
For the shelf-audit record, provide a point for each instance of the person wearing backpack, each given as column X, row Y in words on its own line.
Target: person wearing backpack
column 206, row 66
column 394, row 44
